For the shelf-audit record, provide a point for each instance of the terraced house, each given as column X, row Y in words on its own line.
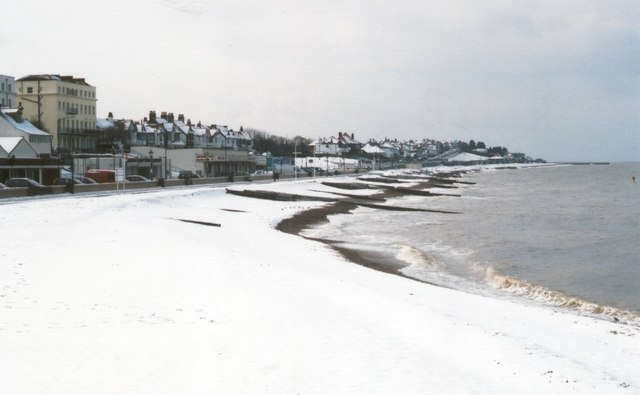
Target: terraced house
column 168, row 143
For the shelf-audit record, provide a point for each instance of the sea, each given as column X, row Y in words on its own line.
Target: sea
column 566, row 236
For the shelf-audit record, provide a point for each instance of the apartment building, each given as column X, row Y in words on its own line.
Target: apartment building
column 64, row 106
column 7, row 91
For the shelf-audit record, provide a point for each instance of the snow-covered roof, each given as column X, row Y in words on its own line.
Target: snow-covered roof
column 102, row 123
column 183, row 127
column 467, row 157
column 325, row 140
column 9, row 143
column 24, row 126
column 388, row 145
column 347, row 139
column 372, row 149
column 199, row 131
column 231, row 134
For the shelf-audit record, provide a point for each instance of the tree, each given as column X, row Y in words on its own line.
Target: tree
column 279, row 146
column 481, row 145
column 472, row 144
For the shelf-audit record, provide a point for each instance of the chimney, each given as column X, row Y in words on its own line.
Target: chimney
column 170, row 117
column 353, row 138
column 188, row 122
column 163, row 115
column 181, row 117
column 110, row 117
column 152, row 117
column 340, row 135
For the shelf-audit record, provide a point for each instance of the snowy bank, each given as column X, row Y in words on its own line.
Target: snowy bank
column 115, row 295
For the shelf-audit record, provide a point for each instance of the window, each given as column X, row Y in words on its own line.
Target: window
column 30, row 90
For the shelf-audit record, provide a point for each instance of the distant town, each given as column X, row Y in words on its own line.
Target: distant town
column 50, row 129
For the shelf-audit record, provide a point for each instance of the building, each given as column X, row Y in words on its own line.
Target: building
column 7, row 91
column 170, row 145
column 327, row 146
column 13, row 125
column 64, row 106
column 349, row 143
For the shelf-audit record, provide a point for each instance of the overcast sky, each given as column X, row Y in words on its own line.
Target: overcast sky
column 555, row 79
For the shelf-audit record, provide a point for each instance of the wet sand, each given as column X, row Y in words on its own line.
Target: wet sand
column 305, row 219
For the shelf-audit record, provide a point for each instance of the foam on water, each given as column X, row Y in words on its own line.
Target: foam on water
column 414, row 256
column 551, row 297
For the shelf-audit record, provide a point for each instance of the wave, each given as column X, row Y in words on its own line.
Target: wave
column 551, row 297
column 414, row 256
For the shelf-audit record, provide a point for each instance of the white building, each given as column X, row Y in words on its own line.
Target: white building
column 13, row 125
column 7, row 91
column 327, row 146
column 65, row 106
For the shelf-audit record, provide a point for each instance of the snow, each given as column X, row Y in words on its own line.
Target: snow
column 467, row 157
column 24, row 126
column 9, row 143
column 114, row 295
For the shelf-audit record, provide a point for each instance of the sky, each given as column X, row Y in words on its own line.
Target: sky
column 556, row 80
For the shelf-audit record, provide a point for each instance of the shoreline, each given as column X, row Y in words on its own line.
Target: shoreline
column 306, row 219
column 302, row 220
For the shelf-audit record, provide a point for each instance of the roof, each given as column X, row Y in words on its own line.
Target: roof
column 348, row 139
column 102, row 123
column 40, row 77
column 9, row 143
column 54, row 77
column 325, row 140
column 199, row 131
column 24, row 126
column 372, row 149
column 183, row 127
column 467, row 157
column 232, row 134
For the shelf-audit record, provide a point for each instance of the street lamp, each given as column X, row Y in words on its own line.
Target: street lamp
column 151, row 164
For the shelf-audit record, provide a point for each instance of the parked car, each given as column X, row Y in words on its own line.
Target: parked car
column 34, row 187
column 2, row 185
column 101, row 175
column 136, row 178
column 184, row 174
column 23, row 183
column 86, row 180
column 243, row 175
column 66, row 181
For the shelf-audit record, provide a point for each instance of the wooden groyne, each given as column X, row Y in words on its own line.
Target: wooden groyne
column 350, row 185
column 449, row 181
column 357, row 200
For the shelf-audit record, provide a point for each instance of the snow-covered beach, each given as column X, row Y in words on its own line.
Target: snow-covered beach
column 118, row 294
